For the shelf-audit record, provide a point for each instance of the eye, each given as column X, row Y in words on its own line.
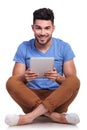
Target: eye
column 47, row 28
column 37, row 27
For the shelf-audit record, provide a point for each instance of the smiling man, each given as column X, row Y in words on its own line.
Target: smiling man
column 51, row 95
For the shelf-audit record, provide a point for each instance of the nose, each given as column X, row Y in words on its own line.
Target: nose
column 42, row 32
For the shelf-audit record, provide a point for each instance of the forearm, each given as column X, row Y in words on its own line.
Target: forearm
column 21, row 77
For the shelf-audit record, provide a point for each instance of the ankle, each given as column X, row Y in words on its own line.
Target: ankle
column 25, row 119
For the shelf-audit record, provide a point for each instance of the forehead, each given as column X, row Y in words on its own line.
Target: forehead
column 43, row 23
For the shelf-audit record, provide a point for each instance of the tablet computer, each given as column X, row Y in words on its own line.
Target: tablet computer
column 41, row 64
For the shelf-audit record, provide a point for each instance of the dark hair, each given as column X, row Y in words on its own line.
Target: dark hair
column 43, row 14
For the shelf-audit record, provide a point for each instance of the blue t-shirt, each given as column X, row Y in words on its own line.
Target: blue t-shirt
column 60, row 50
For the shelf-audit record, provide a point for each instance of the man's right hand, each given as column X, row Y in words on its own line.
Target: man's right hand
column 30, row 75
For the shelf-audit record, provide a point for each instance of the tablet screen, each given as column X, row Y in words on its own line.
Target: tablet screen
column 41, row 64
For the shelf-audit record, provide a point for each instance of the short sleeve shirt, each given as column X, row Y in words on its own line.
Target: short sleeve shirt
column 60, row 50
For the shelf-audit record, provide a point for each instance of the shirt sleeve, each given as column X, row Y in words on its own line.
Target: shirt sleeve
column 68, row 53
column 20, row 54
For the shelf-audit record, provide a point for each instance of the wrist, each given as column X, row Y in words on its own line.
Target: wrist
column 60, row 78
column 23, row 78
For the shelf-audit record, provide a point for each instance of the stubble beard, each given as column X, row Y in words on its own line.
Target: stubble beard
column 42, row 44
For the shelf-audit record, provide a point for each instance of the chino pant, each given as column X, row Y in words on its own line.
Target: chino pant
column 54, row 100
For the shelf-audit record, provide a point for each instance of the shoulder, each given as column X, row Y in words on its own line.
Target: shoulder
column 26, row 44
column 62, row 45
column 60, row 42
column 64, row 48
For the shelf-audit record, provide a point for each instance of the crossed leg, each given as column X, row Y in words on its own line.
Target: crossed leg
column 41, row 110
column 30, row 117
column 15, row 87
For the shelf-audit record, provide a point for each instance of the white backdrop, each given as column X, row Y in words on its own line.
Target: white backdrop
column 15, row 27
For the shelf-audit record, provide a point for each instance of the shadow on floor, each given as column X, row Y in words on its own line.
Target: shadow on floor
column 41, row 123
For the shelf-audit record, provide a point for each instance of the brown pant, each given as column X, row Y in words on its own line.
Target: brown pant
column 54, row 100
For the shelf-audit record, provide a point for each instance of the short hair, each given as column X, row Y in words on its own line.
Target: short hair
column 43, row 14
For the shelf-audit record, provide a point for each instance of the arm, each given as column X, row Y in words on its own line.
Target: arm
column 25, row 75
column 68, row 69
column 19, row 69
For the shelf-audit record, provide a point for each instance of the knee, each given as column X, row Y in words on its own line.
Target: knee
column 72, row 82
column 76, row 82
column 11, row 83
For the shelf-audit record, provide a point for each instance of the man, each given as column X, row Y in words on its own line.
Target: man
column 49, row 96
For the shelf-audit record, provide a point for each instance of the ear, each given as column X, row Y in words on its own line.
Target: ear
column 32, row 26
column 53, row 28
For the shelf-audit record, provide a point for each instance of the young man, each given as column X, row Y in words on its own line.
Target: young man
column 49, row 96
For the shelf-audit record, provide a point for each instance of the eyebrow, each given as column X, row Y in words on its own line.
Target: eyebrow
column 41, row 27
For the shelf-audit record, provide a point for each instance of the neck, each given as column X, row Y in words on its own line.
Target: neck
column 43, row 48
